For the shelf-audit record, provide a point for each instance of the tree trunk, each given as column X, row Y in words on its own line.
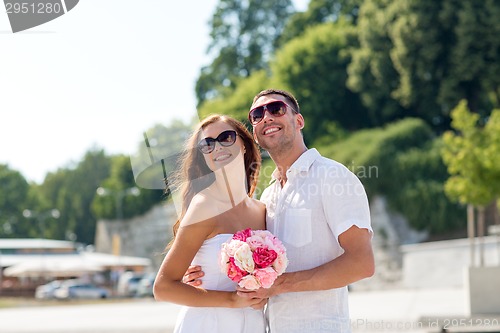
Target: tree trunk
column 480, row 234
column 470, row 234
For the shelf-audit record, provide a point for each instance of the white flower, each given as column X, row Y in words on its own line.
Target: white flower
column 243, row 258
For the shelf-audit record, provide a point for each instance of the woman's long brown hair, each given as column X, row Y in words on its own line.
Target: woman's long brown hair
column 194, row 175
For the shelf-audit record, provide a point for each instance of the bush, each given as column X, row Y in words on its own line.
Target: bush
column 402, row 162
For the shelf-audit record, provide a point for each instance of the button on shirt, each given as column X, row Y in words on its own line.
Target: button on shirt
column 320, row 200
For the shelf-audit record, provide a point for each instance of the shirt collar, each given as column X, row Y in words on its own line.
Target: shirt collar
column 303, row 163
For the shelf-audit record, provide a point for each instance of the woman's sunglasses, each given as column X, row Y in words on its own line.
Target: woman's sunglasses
column 225, row 139
column 276, row 108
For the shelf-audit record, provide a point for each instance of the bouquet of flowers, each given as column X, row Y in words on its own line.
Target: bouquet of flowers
column 253, row 258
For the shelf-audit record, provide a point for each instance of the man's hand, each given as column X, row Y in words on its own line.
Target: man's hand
column 249, row 301
column 264, row 293
column 192, row 276
column 261, row 293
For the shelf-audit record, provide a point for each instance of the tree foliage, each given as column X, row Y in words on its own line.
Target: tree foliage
column 13, row 196
column 402, row 162
column 243, row 38
column 471, row 156
column 419, row 58
column 71, row 191
column 313, row 66
column 238, row 103
column 319, row 11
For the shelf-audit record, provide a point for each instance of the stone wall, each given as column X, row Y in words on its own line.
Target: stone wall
column 142, row 236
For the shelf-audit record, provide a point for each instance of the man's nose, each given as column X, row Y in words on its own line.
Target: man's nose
column 267, row 115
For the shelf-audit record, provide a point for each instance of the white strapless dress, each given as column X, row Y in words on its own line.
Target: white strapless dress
column 216, row 319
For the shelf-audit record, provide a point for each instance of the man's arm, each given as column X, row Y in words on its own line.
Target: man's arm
column 354, row 264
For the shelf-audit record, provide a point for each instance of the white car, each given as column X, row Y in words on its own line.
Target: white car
column 46, row 291
column 128, row 283
column 71, row 290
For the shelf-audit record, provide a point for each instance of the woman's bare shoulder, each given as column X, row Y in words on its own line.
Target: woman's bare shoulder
column 200, row 210
column 259, row 203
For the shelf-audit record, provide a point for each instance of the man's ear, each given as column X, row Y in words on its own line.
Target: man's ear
column 299, row 121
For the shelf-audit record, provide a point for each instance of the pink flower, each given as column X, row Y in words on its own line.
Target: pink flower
column 234, row 272
column 265, row 276
column 275, row 244
column 263, row 257
column 280, row 264
column 243, row 234
column 249, row 282
column 255, row 242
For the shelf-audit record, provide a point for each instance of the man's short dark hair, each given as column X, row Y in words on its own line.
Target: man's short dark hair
column 290, row 98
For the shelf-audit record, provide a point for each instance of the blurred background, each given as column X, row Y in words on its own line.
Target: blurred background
column 405, row 93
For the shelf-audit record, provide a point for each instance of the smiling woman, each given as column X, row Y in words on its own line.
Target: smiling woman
column 217, row 176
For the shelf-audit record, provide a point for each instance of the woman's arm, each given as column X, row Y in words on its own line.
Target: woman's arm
column 168, row 283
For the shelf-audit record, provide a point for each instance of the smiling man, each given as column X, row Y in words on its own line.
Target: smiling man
column 320, row 211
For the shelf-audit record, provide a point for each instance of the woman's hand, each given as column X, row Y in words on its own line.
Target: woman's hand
column 244, row 302
column 193, row 276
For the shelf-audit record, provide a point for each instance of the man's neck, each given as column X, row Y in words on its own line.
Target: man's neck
column 285, row 160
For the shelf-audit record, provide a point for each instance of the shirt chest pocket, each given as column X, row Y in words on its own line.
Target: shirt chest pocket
column 298, row 227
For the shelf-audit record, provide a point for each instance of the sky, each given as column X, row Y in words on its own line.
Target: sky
column 98, row 77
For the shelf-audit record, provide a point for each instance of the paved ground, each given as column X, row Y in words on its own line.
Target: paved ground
column 414, row 311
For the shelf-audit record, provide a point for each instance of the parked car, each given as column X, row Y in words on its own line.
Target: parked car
column 75, row 289
column 128, row 283
column 145, row 286
column 46, row 291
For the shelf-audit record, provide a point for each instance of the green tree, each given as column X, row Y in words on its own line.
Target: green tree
column 71, row 191
column 13, row 196
column 474, row 176
column 464, row 152
column 313, row 66
column 371, row 72
column 420, row 57
column 474, row 65
column 238, row 103
column 120, row 197
column 244, row 35
column 401, row 161
column 319, row 11
column 444, row 52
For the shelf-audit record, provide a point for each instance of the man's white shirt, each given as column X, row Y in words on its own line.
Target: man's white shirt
column 320, row 200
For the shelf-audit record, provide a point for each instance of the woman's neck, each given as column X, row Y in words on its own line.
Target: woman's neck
column 230, row 182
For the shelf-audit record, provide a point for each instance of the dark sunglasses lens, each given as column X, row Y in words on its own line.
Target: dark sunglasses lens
column 276, row 108
column 227, row 138
column 206, row 145
column 256, row 115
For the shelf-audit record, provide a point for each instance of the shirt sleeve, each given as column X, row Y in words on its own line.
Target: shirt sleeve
column 345, row 202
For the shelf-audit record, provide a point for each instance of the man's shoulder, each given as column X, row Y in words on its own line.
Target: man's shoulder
column 330, row 167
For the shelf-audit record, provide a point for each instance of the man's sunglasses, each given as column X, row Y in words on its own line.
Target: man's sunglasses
column 225, row 139
column 276, row 108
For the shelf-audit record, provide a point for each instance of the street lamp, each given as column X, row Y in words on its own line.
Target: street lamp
column 119, row 196
column 40, row 217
